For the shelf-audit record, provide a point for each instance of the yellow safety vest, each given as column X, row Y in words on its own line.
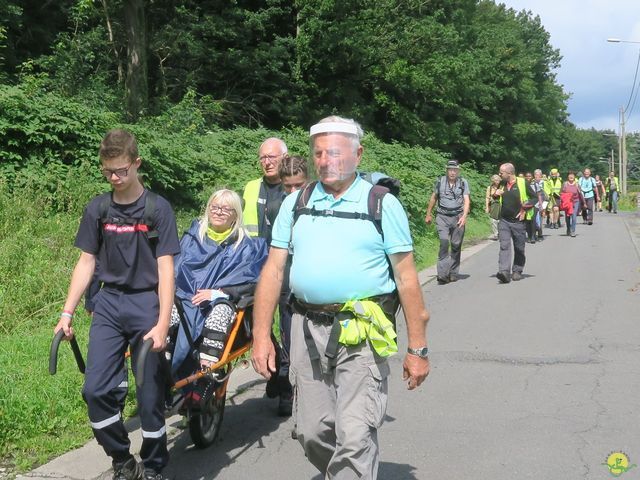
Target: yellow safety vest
column 250, row 212
column 368, row 323
column 522, row 189
column 555, row 187
column 607, row 184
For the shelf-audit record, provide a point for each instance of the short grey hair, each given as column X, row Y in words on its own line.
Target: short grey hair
column 283, row 146
column 536, row 171
column 509, row 168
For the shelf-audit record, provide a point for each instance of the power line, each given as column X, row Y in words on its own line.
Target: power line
column 633, row 104
column 633, row 87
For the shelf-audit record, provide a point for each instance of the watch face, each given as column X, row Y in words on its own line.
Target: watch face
column 421, row 352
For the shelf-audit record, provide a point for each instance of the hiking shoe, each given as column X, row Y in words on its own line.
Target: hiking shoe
column 504, row 277
column 515, row 276
column 442, row 281
column 127, row 470
column 150, row 474
column 273, row 387
column 285, row 406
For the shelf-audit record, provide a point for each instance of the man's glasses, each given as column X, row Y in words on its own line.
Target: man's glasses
column 119, row 172
column 268, row 158
column 219, row 209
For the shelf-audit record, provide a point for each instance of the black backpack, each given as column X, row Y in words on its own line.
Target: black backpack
column 382, row 184
column 149, row 218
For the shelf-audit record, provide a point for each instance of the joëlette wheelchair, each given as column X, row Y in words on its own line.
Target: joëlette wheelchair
column 203, row 420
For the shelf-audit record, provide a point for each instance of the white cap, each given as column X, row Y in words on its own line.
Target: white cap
column 333, row 127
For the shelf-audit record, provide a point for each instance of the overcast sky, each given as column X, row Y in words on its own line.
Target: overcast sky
column 597, row 74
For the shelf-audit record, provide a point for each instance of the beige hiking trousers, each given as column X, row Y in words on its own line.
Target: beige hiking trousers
column 339, row 407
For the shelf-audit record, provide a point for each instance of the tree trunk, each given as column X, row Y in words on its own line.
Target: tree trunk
column 136, row 86
column 112, row 42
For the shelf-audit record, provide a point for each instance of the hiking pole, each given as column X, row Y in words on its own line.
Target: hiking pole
column 53, row 353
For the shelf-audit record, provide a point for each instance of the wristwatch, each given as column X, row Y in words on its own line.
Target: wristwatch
column 422, row 352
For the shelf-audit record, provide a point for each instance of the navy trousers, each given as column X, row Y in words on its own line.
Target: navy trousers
column 121, row 320
column 286, row 313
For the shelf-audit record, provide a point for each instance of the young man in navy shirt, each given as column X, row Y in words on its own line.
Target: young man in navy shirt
column 136, row 273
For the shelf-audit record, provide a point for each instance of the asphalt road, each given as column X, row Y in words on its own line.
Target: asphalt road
column 537, row 379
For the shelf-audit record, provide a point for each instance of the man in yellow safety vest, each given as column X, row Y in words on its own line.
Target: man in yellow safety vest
column 262, row 199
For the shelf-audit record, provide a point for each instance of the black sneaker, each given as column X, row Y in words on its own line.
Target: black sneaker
column 515, row 276
column 453, row 277
column 150, row 474
column 272, row 389
column 128, row 470
column 504, row 277
column 442, row 280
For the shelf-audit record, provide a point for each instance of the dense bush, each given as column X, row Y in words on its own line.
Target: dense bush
column 49, row 143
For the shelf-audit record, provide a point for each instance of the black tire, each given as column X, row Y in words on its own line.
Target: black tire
column 204, row 426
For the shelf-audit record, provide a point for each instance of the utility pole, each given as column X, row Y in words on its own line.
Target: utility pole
column 612, row 167
column 622, row 165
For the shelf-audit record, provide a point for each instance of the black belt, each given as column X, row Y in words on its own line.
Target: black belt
column 326, row 313
column 125, row 289
column 323, row 314
column 450, row 214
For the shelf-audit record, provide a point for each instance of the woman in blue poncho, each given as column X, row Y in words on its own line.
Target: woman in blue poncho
column 219, row 262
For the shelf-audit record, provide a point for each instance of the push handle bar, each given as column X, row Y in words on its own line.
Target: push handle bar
column 141, row 361
column 53, row 353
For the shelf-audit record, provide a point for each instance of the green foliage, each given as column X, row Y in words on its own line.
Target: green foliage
column 469, row 78
column 31, row 292
column 49, row 143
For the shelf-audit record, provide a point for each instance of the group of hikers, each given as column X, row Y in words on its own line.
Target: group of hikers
column 333, row 256
column 518, row 206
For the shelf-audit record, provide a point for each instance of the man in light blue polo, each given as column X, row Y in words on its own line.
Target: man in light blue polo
column 339, row 257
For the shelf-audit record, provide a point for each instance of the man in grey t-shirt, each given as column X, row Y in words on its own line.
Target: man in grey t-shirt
column 451, row 193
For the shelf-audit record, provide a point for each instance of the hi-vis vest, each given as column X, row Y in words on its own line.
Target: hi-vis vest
column 555, row 186
column 524, row 198
column 255, row 206
column 607, row 184
column 368, row 323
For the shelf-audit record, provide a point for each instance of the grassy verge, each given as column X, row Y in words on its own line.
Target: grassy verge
column 628, row 202
column 41, row 416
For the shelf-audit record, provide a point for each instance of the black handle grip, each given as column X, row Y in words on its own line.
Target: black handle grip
column 77, row 354
column 142, row 360
column 53, row 353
